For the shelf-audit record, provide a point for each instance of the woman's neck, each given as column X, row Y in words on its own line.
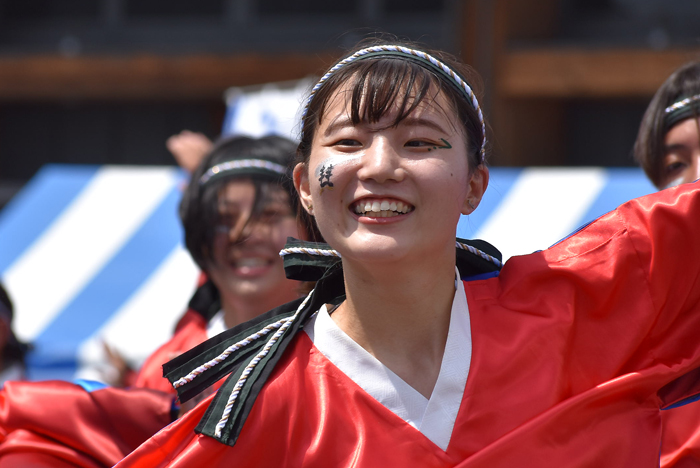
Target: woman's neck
column 401, row 315
column 238, row 309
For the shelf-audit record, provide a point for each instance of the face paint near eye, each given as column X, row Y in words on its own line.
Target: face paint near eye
column 447, row 145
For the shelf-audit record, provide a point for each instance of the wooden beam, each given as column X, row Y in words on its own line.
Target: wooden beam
column 146, row 76
column 575, row 73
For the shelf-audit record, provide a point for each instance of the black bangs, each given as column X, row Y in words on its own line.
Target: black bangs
column 387, row 86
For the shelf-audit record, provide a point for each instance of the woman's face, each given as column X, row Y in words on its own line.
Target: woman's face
column 681, row 163
column 383, row 190
column 246, row 259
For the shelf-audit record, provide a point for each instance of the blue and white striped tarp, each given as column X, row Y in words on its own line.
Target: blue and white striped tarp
column 91, row 254
column 94, row 253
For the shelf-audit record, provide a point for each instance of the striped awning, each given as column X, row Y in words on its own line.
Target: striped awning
column 93, row 254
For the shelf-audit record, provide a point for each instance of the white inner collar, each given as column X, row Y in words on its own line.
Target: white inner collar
column 434, row 417
column 216, row 324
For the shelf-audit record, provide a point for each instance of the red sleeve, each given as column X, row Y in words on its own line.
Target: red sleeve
column 665, row 231
column 63, row 420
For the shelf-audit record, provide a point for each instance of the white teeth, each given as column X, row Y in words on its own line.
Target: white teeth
column 382, row 209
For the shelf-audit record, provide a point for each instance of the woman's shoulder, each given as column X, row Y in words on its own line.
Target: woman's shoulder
column 150, row 374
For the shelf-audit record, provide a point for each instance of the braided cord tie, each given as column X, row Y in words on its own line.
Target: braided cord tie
column 309, row 251
column 425, row 57
column 480, row 253
column 227, row 352
column 251, row 366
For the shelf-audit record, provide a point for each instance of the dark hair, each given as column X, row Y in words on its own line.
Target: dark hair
column 199, row 211
column 15, row 350
column 649, row 145
column 381, row 84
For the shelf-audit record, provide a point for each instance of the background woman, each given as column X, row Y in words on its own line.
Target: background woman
column 236, row 213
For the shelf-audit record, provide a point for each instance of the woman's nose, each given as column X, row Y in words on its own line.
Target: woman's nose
column 381, row 162
column 253, row 229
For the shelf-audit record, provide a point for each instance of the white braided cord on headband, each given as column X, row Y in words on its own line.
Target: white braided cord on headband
column 251, row 366
column 682, row 103
column 238, row 164
column 461, row 84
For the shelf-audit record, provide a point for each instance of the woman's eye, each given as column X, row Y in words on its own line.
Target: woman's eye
column 346, row 142
column 674, row 167
column 420, row 144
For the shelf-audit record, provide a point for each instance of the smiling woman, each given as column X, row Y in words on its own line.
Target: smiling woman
column 411, row 353
column 242, row 191
column 237, row 213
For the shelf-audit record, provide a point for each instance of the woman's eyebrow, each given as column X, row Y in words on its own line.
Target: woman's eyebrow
column 674, row 147
column 422, row 122
column 340, row 122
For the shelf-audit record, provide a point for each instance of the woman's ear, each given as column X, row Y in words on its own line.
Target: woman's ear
column 301, row 183
column 477, row 186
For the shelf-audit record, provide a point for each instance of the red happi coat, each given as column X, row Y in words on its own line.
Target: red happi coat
column 575, row 351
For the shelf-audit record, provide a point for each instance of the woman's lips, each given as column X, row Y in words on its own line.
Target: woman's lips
column 251, row 266
column 380, row 207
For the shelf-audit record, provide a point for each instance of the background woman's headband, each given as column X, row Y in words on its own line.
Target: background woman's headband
column 419, row 57
column 680, row 110
column 244, row 167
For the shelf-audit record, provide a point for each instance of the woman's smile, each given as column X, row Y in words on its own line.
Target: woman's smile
column 380, row 207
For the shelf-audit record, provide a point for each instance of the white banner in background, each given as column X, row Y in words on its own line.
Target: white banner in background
column 270, row 109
